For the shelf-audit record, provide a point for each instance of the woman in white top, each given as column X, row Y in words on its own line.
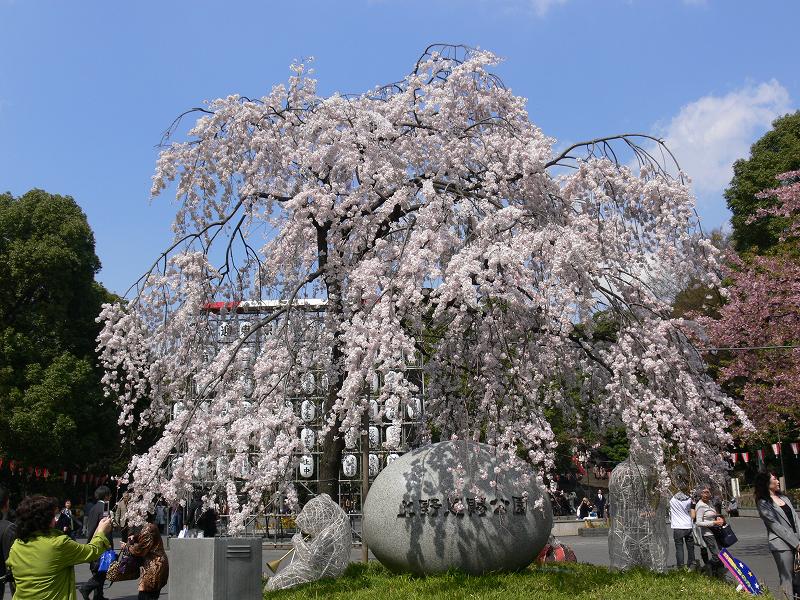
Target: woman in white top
column 778, row 514
column 706, row 518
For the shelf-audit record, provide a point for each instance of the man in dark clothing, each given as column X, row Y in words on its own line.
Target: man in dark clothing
column 92, row 519
column 205, row 520
column 66, row 520
column 87, row 508
column 600, row 504
column 8, row 533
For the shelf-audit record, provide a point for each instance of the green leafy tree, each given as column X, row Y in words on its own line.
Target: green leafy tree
column 778, row 151
column 52, row 408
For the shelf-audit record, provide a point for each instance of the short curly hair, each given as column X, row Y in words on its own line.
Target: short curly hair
column 35, row 516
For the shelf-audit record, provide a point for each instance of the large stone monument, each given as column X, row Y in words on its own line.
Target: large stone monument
column 639, row 535
column 414, row 522
column 321, row 547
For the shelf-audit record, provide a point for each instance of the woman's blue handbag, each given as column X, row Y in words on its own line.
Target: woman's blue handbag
column 106, row 559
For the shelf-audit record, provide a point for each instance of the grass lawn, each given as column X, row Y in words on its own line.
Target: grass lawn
column 567, row 582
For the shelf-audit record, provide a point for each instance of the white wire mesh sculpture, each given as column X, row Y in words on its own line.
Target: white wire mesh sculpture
column 638, row 536
column 321, row 547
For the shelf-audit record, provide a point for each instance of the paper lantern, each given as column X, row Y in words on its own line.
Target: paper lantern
column 308, row 437
column 374, row 410
column 349, row 465
column 200, row 470
column 351, row 438
column 393, row 436
column 307, row 383
column 374, row 436
column 414, row 408
column 776, row 448
column 390, row 414
column 308, row 411
column 306, row 466
column 374, row 465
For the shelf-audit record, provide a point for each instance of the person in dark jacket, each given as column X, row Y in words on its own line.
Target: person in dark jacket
column 600, row 504
column 584, row 509
column 66, row 520
column 204, row 520
column 8, row 533
column 92, row 519
column 780, row 519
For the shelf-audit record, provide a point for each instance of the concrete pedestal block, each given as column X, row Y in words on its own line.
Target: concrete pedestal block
column 593, row 531
column 215, row 569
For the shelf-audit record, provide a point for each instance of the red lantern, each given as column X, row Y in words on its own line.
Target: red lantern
column 46, row 472
column 760, row 453
column 734, row 456
column 74, row 479
column 795, row 448
column 776, row 448
column 746, row 457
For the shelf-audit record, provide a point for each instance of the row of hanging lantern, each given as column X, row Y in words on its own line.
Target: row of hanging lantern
column 349, row 465
column 201, row 469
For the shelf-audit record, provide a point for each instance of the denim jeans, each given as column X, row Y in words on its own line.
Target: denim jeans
column 681, row 537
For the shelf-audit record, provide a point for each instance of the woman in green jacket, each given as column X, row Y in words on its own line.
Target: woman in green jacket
column 42, row 559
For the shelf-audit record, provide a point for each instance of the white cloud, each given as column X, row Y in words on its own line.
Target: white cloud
column 709, row 134
column 540, row 7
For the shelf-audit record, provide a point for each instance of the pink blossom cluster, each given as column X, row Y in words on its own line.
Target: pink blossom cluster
column 761, row 321
column 426, row 215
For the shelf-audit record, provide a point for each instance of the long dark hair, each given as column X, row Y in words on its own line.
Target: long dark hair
column 761, row 486
column 35, row 516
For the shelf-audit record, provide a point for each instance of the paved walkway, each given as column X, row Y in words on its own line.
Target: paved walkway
column 751, row 548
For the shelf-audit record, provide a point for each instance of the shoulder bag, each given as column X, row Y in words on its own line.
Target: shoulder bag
column 125, row 568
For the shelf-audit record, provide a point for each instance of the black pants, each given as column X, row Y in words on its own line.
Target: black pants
column 95, row 583
column 148, row 595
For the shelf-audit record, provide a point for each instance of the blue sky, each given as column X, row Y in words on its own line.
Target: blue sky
column 87, row 88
